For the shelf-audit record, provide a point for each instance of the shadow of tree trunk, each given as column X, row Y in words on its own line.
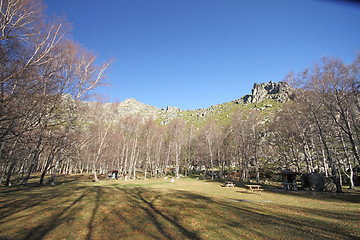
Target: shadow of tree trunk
column 40, row 231
column 154, row 213
column 99, row 194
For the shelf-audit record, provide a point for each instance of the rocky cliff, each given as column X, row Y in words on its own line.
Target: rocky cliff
column 280, row 92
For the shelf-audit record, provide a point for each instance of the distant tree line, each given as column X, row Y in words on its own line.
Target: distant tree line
column 44, row 73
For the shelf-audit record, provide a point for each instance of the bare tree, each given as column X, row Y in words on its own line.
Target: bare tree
column 177, row 136
column 210, row 134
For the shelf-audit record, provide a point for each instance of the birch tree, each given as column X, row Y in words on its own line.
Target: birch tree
column 210, row 135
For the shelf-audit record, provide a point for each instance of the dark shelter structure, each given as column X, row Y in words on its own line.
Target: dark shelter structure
column 289, row 180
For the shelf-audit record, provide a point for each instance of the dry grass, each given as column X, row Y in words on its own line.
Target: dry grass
column 186, row 209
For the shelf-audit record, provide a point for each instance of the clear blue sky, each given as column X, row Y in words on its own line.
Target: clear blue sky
column 197, row 53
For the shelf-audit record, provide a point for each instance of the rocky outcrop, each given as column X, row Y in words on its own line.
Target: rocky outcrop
column 132, row 107
column 317, row 182
column 280, row 92
column 111, row 112
column 169, row 114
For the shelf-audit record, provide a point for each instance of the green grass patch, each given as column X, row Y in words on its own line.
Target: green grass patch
column 185, row 209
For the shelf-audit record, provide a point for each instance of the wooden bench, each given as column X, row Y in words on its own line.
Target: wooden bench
column 228, row 184
column 254, row 188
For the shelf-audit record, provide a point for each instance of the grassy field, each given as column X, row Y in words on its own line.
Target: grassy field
column 186, row 209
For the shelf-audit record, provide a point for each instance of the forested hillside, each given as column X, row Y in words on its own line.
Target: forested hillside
column 308, row 123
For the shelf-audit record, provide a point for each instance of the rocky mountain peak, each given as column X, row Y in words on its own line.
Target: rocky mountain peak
column 280, row 92
column 130, row 101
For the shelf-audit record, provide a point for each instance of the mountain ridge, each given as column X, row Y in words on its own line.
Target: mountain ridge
column 270, row 94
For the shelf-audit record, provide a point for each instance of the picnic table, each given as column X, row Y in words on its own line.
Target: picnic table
column 254, row 188
column 290, row 186
column 229, row 184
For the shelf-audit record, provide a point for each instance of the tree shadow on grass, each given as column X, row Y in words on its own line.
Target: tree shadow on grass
column 41, row 230
column 99, row 194
column 292, row 222
column 140, row 197
column 241, row 219
column 27, row 199
column 114, row 212
column 50, row 207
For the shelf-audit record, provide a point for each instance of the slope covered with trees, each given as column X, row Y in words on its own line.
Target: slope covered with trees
column 310, row 123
